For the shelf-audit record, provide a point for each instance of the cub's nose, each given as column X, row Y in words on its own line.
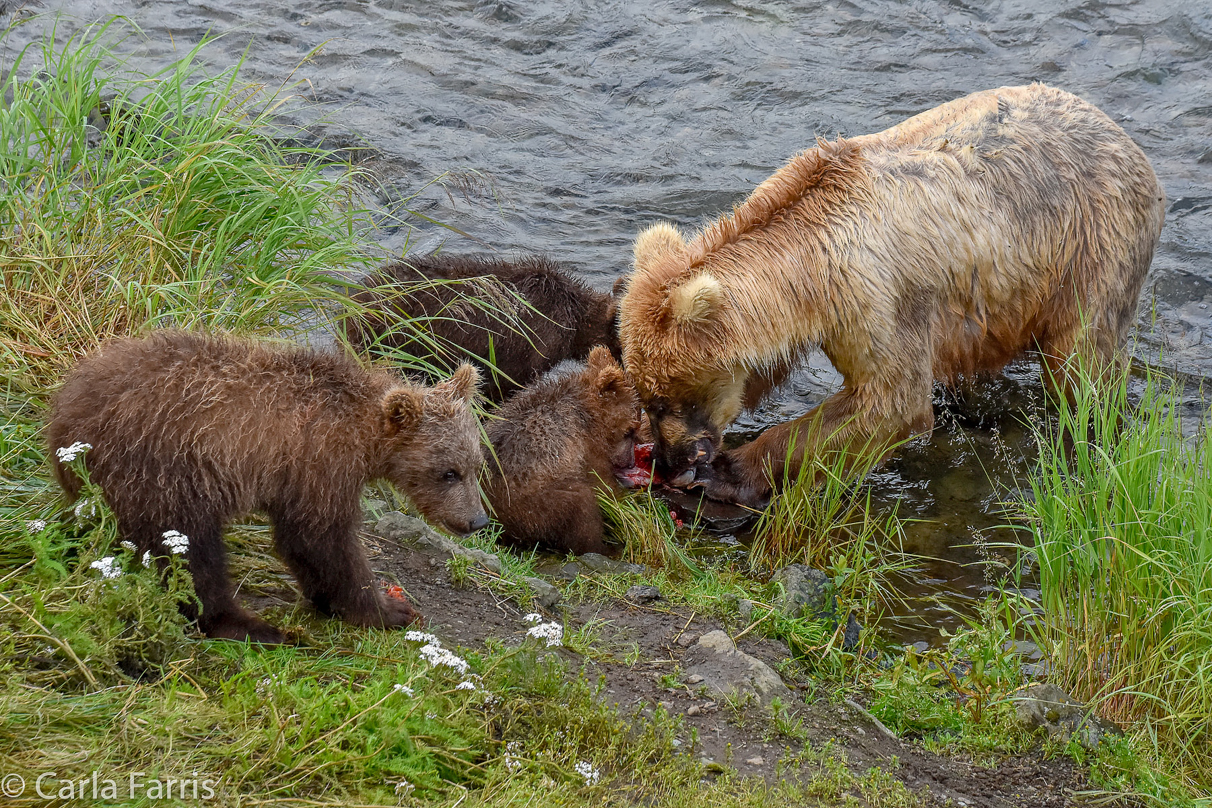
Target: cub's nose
column 479, row 523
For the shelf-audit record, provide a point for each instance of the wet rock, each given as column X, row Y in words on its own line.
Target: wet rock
column 1048, row 709
column 805, row 592
column 1027, row 650
column 919, row 647
column 850, row 637
column 687, row 640
column 411, row 530
column 726, row 670
column 546, row 594
column 643, row 594
column 595, row 562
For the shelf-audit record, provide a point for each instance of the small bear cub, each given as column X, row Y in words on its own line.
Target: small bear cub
column 556, row 445
column 189, row 431
column 560, row 317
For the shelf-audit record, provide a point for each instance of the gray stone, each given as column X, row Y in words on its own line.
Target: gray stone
column 546, row 594
column 726, row 670
column 411, row 530
column 596, row 562
column 850, row 637
column 1029, row 651
column 1048, row 709
column 643, row 594
column 804, row 592
column 744, row 608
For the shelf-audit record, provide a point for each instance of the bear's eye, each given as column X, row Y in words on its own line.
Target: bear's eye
column 452, row 476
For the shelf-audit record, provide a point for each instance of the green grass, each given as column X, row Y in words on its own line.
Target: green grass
column 1121, row 521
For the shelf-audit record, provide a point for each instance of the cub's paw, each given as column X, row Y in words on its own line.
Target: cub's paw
column 726, row 480
column 395, row 611
column 245, row 627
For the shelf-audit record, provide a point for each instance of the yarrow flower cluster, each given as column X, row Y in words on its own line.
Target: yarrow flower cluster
column 465, row 685
column 67, row 454
column 108, row 567
column 550, row 633
column 586, row 770
column 85, row 508
column 176, row 541
column 404, row 788
column 36, row 525
column 512, row 761
column 533, row 618
column 405, row 689
column 433, row 652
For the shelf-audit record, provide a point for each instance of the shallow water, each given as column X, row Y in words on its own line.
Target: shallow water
column 565, row 127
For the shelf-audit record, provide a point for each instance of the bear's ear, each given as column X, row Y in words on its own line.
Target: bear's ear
column 661, row 240
column 463, row 384
column 608, row 377
column 619, row 287
column 403, row 408
column 695, row 300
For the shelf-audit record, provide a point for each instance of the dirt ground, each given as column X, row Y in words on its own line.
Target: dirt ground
column 467, row 616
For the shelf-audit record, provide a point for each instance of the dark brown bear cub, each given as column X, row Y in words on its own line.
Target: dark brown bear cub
column 557, row 444
column 565, row 318
column 189, row 431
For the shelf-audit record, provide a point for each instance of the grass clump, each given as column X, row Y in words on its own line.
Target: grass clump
column 1121, row 521
column 133, row 201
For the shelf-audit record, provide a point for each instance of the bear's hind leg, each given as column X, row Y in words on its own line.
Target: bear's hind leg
column 331, row 568
column 221, row 616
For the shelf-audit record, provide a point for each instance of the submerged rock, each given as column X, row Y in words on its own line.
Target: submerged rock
column 725, row 670
column 1051, row 710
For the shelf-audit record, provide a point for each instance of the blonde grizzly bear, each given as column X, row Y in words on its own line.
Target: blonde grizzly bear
column 1011, row 219
column 189, row 431
column 556, row 445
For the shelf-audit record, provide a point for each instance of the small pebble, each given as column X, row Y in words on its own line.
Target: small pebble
column 643, row 594
column 756, row 761
column 694, row 709
column 687, row 640
column 694, row 679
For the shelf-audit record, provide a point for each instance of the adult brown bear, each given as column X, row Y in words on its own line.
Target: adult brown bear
column 1010, row 219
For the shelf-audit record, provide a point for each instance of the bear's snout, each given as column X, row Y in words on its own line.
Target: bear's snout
column 479, row 523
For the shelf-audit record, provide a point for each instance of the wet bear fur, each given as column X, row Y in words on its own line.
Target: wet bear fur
column 556, row 445
column 566, row 320
column 190, row 431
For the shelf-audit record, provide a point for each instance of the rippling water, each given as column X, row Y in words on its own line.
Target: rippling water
column 564, row 127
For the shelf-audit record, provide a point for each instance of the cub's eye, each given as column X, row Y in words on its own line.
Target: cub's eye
column 452, row 476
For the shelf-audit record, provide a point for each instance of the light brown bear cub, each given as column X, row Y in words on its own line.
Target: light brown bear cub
column 189, row 431
column 557, row 444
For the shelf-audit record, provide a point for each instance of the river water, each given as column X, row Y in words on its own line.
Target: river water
column 565, row 127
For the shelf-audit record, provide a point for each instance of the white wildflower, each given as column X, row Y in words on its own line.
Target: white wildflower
column 405, row 689
column 551, row 633
column 533, row 618
column 512, row 761
column 36, row 525
column 147, row 559
column 69, row 453
column 404, row 788
column 421, row 636
column 176, row 541
column 107, row 567
column 465, row 685
column 85, row 508
column 129, row 545
column 436, row 655
column 587, row 771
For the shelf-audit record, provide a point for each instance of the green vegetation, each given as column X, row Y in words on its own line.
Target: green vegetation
column 129, row 202
column 1121, row 521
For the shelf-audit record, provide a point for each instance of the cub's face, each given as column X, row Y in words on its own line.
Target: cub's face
column 610, row 399
column 436, row 452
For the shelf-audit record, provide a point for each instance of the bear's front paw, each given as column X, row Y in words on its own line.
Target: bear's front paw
column 396, row 611
column 726, row 480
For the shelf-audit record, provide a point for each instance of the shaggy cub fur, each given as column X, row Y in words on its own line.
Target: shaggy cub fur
column 556, row 445
column 189, row 431
column 567, row 318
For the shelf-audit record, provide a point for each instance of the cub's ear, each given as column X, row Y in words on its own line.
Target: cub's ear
column 599, row 359
column 463, row 384
column 619, row 288
column 608, row 377
column 696, row 300
column 660, row 241
column 403, row 408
